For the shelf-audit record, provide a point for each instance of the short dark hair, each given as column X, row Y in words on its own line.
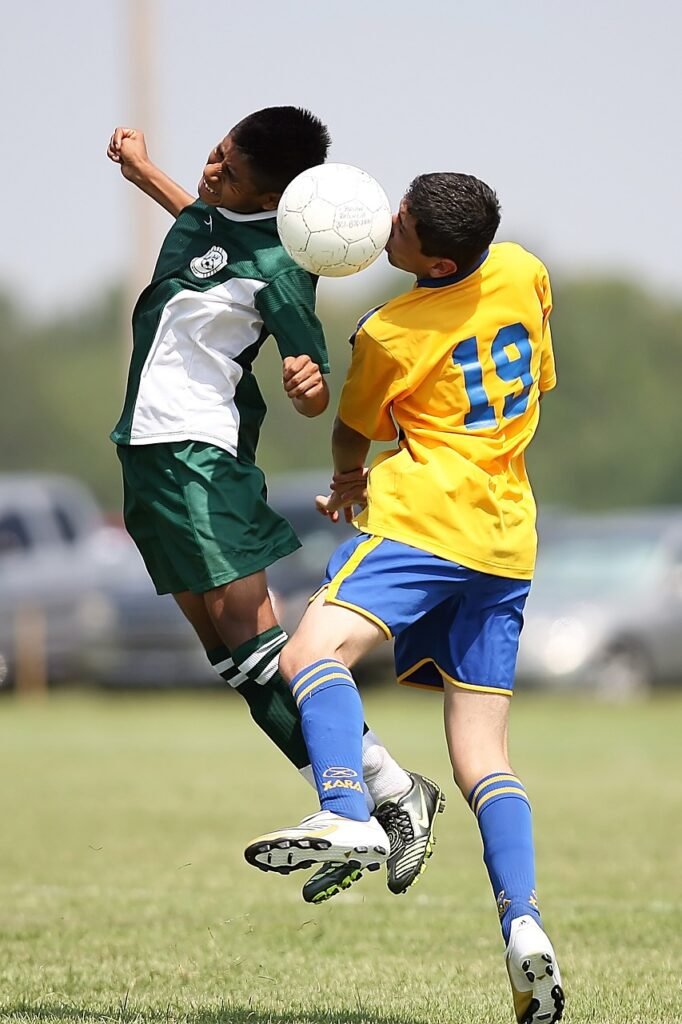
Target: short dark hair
column 279, row 143
column 456, row 216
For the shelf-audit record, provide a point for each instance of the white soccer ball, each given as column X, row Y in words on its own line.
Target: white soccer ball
column 334, row 219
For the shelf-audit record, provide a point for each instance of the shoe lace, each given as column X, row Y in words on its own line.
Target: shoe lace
column 396, row 822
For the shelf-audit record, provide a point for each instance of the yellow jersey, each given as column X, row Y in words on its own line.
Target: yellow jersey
column 455, row 369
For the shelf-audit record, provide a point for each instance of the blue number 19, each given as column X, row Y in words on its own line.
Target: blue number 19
column 481, row 412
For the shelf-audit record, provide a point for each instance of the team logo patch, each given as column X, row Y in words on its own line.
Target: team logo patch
column 340, row 773
column 503, row 904
column 209, row 264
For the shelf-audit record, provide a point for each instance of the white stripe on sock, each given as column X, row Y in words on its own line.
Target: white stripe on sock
column 269, row 671
column 276, row 643
column 224, row 666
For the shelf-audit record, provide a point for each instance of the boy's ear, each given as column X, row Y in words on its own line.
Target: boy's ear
column 270, row 200
column 442, row 268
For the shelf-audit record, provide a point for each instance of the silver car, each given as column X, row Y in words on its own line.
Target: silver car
column 56, row 555
column 605, row 608
column 76, row 602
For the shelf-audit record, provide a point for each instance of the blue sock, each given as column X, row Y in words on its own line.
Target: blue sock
column 332, row 719
column 501, row 806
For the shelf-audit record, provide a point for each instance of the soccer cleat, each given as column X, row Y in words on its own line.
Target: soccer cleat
column 534, row 974
column 409, row 822
column 330, row 880
column 320, row 838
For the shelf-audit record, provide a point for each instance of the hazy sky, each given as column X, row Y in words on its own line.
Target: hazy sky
column 569, row 109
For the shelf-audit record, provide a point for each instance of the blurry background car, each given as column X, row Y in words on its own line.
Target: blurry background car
column 147, row 642
column 76, row 603
column 75, row 599
column 52, row 545
column 605, row 608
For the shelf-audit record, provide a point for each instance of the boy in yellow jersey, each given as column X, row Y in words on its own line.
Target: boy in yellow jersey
column 455, row 369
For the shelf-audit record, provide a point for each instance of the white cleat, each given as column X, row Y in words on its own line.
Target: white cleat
column 534, row 974
column 320, row 838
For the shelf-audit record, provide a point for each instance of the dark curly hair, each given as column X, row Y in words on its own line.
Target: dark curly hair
column 456, row 216
column 279, row 143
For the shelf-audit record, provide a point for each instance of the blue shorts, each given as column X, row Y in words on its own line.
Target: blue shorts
column 450, row 623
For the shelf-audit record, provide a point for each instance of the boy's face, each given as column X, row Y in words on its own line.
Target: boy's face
column 404, row 249
column 227, row 181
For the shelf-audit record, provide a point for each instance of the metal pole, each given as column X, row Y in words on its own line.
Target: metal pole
column 142, row 106
column 30, row 651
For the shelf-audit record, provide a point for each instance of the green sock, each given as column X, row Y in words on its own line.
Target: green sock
column 251, row 670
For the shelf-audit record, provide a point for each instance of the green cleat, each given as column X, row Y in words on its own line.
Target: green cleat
column 330, row 880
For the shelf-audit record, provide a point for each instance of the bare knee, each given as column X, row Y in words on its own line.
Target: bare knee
column 291, row 660
column 469, row 767
column 241, row 610
column 303, row 650
column 328, row 631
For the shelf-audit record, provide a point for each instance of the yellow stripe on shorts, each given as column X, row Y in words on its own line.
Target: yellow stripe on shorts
column 362, row 550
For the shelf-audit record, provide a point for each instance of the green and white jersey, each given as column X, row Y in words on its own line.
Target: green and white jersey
column 222, row 285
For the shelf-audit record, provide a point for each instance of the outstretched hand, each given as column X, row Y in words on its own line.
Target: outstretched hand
column 348, row 490
column 330, row 505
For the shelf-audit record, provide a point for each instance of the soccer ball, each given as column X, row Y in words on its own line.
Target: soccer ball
column 334, row 219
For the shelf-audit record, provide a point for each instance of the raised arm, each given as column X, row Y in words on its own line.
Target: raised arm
column 127, row 148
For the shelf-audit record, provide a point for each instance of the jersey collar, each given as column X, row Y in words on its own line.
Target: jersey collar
column 443, row 282
column 245, row 217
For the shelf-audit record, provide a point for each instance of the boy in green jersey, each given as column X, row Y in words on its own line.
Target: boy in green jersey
column 194, row 499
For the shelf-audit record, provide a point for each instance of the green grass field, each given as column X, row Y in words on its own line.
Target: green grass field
column 124, row 895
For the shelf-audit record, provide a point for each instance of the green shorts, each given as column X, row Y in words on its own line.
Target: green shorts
column 198, row 516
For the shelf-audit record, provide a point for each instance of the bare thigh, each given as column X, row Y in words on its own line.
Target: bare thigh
column 329, row 631
column 476, row 727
